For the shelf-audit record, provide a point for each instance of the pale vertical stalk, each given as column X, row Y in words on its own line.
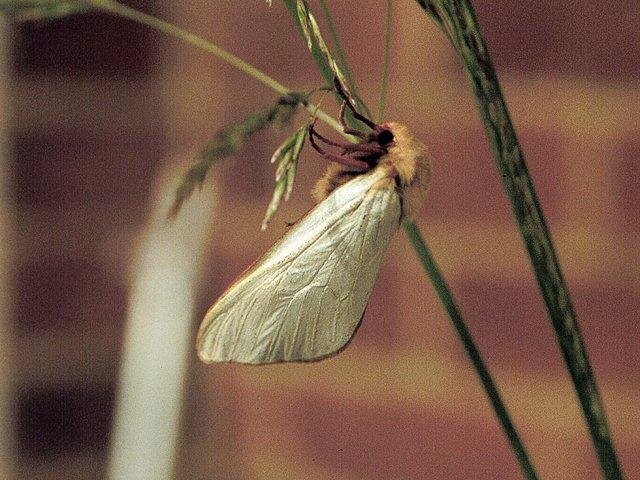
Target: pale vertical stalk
column 158, row 337
column 6, row 268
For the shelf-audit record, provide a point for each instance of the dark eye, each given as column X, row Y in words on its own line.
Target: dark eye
column 385, row 137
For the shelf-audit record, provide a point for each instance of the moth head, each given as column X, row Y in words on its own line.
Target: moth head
column 383, row 135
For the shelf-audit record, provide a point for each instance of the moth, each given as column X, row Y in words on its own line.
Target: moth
column 305, row 298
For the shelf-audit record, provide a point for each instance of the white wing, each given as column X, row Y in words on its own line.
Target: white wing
column 304, row 299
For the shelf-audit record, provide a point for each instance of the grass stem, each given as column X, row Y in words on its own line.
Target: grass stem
column 117, row 8
column 384, row 83
column 341, row 56
column 444, row 293
column 458, row 20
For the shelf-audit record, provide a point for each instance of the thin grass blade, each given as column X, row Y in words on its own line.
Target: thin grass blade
column 287, row 156
column 458, row 20
column 313, row 36
column 386, row 58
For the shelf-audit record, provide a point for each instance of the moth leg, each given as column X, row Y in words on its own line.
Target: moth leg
column 344, row 146
column 345, row 160
column 363, row 148
column 346, row 128
column 357, row 115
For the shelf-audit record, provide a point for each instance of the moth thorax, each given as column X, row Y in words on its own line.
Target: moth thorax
column 411, row 162
column 404, row 158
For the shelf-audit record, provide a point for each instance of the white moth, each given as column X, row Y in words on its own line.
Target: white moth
column 305, row 298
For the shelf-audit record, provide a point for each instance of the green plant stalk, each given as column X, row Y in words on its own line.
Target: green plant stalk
column 384, row 84
column 320, row 60
column 318, row 57
column 445, row 295
column 117, row 8
column 342, row 59
column 447, row 300
column 340, row 53
column 458, row 21
column 419, row 244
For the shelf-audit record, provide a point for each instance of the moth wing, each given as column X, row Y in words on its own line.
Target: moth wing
column 304, row 299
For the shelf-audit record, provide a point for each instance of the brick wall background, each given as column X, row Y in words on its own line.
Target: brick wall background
column 98, row 103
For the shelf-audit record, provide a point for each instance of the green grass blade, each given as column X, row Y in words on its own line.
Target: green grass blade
column 342, row 56
column 446, row 297
column 473, row 353
column 313, row 36
column 35, row 10
column 458, row 21
column 318, row 57
column 333, row 32
column 322, row 62
column 287, row 156
column 384, row 84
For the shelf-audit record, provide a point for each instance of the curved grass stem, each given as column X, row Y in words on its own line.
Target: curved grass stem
column 117, row 8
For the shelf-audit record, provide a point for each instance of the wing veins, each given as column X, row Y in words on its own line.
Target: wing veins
column 314, row 275
column 264, row 332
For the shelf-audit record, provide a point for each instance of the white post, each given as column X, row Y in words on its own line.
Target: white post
column 158, row 337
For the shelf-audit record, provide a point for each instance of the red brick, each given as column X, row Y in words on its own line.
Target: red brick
column 403, row 443
column 466, row 185
column 86, row 44
column 361, row 30
column 627, row 195
column 212, row 444
column 63, row 421
column 404, row 440
column 628, row 454
column 380, row 324
column 64, row 170
column 217, row 277
column 509, row 323
column 580, row 37
column 395, row 441
column 608, row 316
column 264, row 36
column 71, row 294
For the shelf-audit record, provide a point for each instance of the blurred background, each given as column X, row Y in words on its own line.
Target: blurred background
column 98, row 113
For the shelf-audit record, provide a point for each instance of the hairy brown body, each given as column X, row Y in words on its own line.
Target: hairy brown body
column 406, row 161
